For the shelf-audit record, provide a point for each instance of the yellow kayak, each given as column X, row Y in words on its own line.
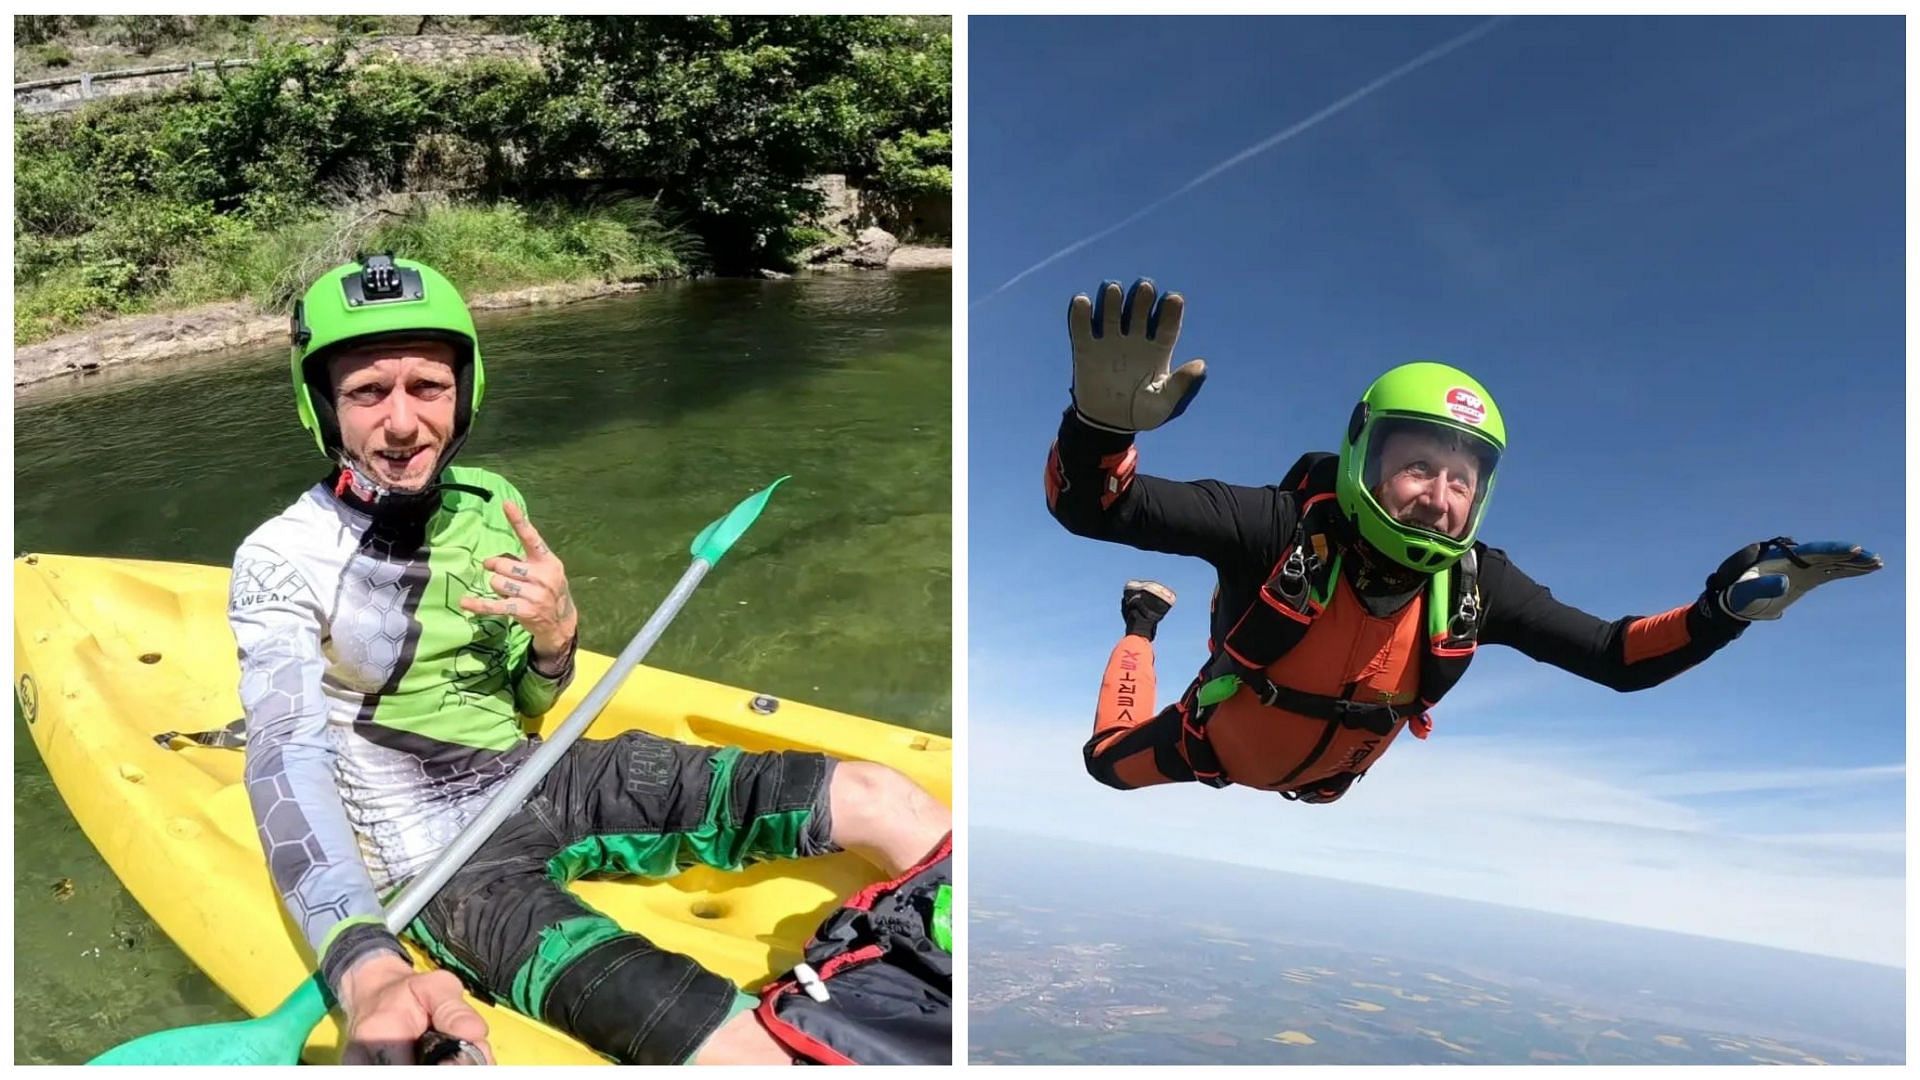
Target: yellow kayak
column 109, row 653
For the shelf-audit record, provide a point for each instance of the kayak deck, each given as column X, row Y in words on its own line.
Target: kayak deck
column 109, row 653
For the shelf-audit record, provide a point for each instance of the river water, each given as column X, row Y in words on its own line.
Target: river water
column 628, row 423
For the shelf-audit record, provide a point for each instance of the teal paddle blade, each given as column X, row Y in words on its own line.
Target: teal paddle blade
column 715, row 539
column 273, row 1039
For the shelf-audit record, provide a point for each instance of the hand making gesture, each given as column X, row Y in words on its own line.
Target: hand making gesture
column 532, row 591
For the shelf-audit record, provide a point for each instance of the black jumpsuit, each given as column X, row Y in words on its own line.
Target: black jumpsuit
column 1093, row 490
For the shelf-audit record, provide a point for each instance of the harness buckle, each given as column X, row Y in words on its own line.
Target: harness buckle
column 1365, row 715
column 1295, row 568
column 1293, row 576
column 1269, row 693
column 1466, row 617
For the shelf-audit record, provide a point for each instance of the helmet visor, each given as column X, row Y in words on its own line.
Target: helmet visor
column 1429, row 476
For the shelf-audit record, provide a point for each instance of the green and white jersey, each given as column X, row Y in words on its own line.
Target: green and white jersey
column 379, row 714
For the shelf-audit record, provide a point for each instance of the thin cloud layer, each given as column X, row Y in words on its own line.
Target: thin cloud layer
column 1551, row 829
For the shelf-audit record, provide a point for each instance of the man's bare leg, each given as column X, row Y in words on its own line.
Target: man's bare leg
column 884, row 817
column 742, row 1041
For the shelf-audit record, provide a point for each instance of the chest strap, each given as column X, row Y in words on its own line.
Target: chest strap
column 1359, row 715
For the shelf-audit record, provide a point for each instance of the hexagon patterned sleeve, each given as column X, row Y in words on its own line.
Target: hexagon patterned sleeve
column 278, row 623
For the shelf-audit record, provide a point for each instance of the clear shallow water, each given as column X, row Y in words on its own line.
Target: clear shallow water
column 629, row 424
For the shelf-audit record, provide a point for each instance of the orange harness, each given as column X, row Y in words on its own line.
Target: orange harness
column 1315, row 710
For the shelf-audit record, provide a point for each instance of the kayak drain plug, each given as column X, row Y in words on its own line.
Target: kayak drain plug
column 764, row 704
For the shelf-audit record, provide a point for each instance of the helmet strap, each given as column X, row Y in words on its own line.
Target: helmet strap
column 356, row 487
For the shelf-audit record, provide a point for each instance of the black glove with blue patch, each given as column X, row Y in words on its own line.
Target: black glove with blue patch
column 1761, row 580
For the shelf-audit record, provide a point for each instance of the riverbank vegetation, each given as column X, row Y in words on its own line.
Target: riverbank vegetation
column 631, row 148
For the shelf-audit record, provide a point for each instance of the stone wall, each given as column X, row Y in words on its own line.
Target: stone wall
column 431, row 50
column 848, row 210
column 919, row 219
column 841, row 212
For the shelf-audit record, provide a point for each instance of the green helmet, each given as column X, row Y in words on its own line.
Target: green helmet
column 363, row 302
column 1412, row 412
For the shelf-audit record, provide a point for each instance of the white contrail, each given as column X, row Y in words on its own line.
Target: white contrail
column 1262, row 146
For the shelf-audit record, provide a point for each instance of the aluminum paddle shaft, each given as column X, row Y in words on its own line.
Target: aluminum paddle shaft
column 508, row 797
column 707, row 548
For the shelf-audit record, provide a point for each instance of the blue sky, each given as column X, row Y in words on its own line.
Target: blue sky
column 1672, row 249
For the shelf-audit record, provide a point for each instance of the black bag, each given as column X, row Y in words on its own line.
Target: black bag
column 887, row 986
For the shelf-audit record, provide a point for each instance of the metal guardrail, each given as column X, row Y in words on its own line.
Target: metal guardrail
column 86, row 80
column 54, row 94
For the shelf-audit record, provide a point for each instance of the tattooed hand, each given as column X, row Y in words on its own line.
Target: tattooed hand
column 533, row 592
column 389, row 1006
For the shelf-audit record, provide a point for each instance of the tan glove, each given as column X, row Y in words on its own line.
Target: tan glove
column 1121, row 355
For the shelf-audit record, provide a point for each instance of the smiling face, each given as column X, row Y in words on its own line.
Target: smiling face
column 395, row 402
column 1427, row 482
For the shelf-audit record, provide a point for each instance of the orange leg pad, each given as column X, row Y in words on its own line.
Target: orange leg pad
column 1126, row 690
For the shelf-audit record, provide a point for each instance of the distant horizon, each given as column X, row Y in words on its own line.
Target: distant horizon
column 976, row 832
column 1078, row 894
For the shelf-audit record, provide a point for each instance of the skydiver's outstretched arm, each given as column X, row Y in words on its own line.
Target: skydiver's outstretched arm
column 1759, row 581
column 1630, row 653
column 1095, row 491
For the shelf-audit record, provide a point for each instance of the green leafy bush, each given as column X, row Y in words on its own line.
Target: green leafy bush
column 726, row 117
column 644, row 147
column 915, row 163
column 145, row 33
column 40, row 29
column 52, row 55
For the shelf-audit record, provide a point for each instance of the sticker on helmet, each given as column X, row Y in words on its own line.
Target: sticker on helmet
column 1466, row 406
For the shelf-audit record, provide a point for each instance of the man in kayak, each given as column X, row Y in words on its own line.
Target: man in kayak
column 1351, row 595
column 396, row 626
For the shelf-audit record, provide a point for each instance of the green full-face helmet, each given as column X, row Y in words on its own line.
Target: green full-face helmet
column 364, row 302
column 1439, row 412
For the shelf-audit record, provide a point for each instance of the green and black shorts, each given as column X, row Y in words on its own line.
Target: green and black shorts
column 637, row 804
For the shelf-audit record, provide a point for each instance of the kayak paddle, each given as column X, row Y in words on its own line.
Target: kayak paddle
column 278, row 1037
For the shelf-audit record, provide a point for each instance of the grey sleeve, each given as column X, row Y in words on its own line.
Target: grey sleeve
column 277, row 622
